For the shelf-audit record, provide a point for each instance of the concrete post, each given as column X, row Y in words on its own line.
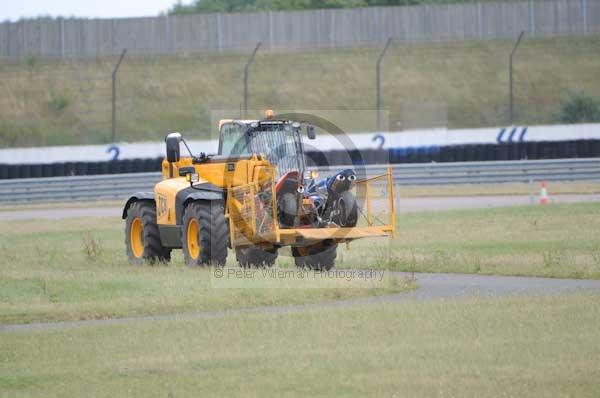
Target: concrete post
column 378, row 82
column 114, row 96
column 248, row 62
column 510, row 75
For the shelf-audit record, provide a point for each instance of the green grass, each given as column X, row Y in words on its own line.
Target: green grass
column 519, row 346
column 453, row 84
column 561, row 241
column 512, row 347
column 77, row 269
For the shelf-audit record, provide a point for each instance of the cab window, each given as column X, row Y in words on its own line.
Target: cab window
column 232, row 140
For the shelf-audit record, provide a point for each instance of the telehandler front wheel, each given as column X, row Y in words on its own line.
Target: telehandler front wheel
column 205, row 235
column 255, row 256
column 142, row 238
column 319, row 257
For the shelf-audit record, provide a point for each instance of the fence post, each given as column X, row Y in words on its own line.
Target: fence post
column 584, row 19
column 271, row 34
column 168, row 41
column 531, row 18
column 378, row 81
column 248, row 62
column 40, row 25
column 24, row 50
column 480, row 20
column 114, row 96
column 510, row 75
column 219, row 32
column 61, row 32
column 7, row 24
column 112, row 35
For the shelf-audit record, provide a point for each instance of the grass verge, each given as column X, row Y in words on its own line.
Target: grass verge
column 560, row 241
column 77, row 269
column 503, row 189
column 542, row 347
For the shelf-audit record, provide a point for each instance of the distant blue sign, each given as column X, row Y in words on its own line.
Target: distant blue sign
column 114, row 149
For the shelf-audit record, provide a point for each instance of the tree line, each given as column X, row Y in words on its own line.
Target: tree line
column 210, row 6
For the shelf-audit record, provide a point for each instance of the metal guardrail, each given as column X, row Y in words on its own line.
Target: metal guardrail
column 119, row 186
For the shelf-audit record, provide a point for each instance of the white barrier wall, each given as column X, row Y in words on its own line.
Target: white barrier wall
column 324, row 142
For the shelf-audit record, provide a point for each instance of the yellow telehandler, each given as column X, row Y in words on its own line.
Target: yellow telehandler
column 255, row 196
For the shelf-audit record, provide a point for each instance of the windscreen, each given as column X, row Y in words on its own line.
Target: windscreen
column 280, row 143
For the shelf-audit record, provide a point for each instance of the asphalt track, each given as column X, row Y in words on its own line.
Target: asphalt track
column 430, row 287
column 404, row 205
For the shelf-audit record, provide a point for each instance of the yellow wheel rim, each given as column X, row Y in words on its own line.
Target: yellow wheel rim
column 135, row 237
column 192, row 239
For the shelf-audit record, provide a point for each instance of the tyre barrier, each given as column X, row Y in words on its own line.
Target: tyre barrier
column 426, row 154
column 40, row 170
column 462, row 153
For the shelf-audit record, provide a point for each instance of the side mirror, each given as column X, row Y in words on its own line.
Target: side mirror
column 310, row 132
column 172, row 141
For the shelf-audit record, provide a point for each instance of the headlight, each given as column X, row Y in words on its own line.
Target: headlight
column 311, row 175
column 192, row 177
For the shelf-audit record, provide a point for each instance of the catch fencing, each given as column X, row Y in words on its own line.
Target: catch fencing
column 122, row 185
column 326, row 28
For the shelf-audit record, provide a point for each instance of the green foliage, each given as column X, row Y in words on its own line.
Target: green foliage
column 58, row 101
column 31, row 62
column 580, row 108
column 209, row 6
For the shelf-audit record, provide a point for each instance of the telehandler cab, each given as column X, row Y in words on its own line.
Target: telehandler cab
column 255, row 196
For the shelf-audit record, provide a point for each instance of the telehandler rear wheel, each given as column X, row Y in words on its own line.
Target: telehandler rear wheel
column 320, row 257
column 142, row 238
column 205, row 235
column 255, row 256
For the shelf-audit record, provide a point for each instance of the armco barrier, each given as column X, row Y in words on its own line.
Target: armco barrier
column 121, row 185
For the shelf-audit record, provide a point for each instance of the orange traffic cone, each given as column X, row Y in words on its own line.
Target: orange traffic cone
column 544, row 200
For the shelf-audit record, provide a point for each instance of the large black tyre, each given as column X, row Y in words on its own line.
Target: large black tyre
column 142, row 237
column 320, row 257
column 205, row 235
column 255, row 256
column 347, row 209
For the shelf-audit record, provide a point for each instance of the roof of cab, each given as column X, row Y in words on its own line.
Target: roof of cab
column 248, row 121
